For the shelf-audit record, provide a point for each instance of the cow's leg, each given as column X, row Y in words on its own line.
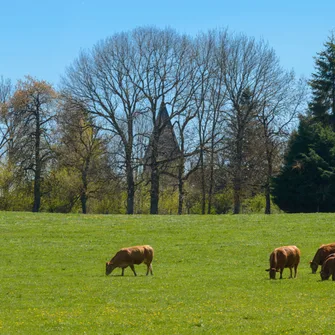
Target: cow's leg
column 132, row 267
column 333, row 275
column 281, row 273
column 122, row 272
column 290, row 272
column 149, row 268
column 295, row 270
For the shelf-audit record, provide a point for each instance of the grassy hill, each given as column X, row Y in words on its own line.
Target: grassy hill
column 209, row 275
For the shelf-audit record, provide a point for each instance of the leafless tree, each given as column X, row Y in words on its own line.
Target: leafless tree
column 278, row 108
column 164, row 74
column 248, row 72
column 105, row 82
column 33, row 106
column 6, row 122
column 209, row 101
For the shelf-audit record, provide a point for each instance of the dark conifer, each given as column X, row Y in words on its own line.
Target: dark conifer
column 322, row 105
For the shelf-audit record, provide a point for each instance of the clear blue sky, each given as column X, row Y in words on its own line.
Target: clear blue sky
column 42, row 37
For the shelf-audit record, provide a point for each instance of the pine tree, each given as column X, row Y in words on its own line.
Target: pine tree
column 322, row 105
column 307, row 180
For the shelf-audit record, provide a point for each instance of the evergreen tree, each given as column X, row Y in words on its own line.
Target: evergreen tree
column 307, row 180
column 322, row 105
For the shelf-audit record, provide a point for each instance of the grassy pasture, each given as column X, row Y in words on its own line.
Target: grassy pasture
column 208, row 278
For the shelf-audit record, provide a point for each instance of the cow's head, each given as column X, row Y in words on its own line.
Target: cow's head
column 272, row 273
column 109, row 268
column 324, row 275
column 314, row 266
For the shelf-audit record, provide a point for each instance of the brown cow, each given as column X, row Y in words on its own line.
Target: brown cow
column 130, row 256
column 328, row 268
column 321, row 255
column 284, row 257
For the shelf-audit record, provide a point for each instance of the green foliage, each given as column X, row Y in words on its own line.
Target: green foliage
column 256, row 205
column 107, row 203
column 223, row 202
column 208, row 275
column 14, row 195
column 307, row 180
column 62, row 188
column 142, row 199
column 322, row 105
column 168, row 202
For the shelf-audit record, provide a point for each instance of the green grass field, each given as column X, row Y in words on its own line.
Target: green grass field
column 209, row 275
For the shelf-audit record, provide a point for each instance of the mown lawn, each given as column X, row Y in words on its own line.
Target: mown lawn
column 208, row 275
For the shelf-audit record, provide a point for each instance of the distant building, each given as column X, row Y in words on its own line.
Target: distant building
column 168, row 148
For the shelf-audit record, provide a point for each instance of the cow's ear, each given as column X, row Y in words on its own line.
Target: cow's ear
column 310, row 262
column 267, row 270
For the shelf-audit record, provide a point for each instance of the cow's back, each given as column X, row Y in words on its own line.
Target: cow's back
column 139, row 254
column 293, row 255
column 121, row 257
column 287, row 256
column 325, row 250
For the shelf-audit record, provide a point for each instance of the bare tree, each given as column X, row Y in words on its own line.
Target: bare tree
column 209, row 101
column 205, row 45
column 6, row 121
column 281, row 103
column 105, row 82
column 164, row 75
column 247, row 67
column 33, row 111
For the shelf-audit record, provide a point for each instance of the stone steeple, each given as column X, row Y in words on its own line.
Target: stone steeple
column 168, row 148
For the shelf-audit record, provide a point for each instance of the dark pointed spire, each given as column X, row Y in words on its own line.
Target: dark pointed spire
column 163, row 115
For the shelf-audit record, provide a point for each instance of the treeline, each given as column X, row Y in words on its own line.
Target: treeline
column 95, row 144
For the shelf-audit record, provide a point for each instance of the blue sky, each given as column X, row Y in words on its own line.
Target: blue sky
column 42, row 37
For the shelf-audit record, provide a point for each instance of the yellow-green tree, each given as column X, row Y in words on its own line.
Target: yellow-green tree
column 33, row 106
column 83, row 150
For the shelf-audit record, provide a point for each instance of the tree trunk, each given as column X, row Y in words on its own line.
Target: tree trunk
column 37, row 177
column 130, row 193
column 268, row 195
column 203, row 186
column 83, row 199
column 37, row 191
column 154, row 191
column 181, row 190
column 237, row 181
column 268, row 181
column 211, row 182
column 237, row 196
column 83, row 195
column 267, row 199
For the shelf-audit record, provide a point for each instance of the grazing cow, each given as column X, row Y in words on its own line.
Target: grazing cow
column 328, row 268
column 321, row 255
column 130, row 256
column 284, row 257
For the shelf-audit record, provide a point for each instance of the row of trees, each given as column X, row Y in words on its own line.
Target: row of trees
column 228, row 101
